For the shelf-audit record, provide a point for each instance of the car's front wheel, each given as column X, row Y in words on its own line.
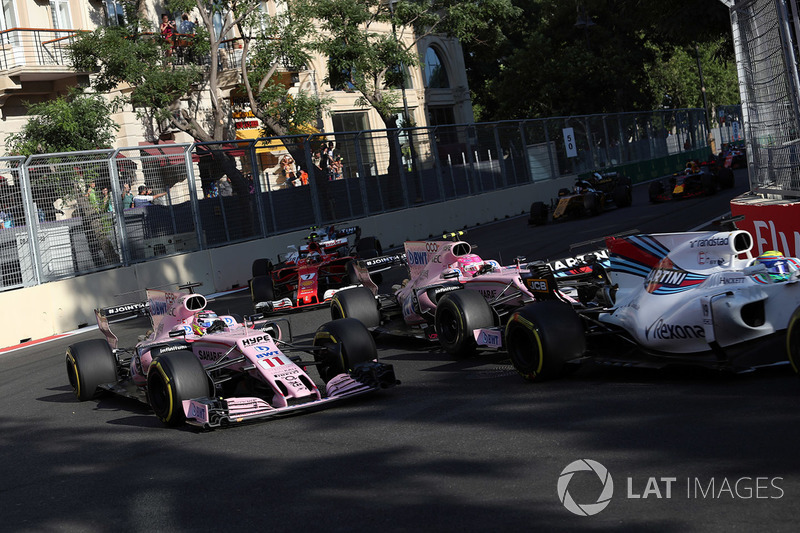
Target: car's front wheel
column 347, row 343
column 541, row 337
column 172, row 378
column 458, row 314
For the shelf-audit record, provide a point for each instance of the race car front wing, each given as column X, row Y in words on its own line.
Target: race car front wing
column 211, row 413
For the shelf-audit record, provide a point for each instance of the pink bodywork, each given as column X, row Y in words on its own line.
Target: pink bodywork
column 437, row 262
column 177, row 312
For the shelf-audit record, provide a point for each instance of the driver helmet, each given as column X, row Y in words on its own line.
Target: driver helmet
column 778, row 267
column 470, row 263
column 202, row 321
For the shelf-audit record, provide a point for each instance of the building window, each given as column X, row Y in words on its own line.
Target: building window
column 443, row 117
column 435, row 71
column 346, row 148
column 59, row 9
column 115, row 13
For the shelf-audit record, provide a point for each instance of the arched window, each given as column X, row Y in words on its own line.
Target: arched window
column 435, row 71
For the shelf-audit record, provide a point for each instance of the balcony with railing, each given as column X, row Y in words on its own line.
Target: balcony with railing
column 31, row 59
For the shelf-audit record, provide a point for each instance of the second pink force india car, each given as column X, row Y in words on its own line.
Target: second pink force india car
column 213, row 371
column 451, row 295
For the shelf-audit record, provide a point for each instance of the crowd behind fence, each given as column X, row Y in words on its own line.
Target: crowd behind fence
column 69, row 214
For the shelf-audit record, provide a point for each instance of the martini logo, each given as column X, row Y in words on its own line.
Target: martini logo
column 585, row 509
column 668, row 278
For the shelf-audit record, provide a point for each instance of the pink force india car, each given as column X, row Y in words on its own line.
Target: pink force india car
column 451, row 295
column 212, row 371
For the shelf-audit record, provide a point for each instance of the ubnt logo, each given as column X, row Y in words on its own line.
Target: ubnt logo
column 587, row 509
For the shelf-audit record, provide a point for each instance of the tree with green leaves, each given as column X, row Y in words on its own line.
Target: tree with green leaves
column 602, row 56
column 363, row 55
column 235, row 46
column 77, row 121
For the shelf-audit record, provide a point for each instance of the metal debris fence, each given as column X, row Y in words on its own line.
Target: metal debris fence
column 765, row 37
column 69, row 214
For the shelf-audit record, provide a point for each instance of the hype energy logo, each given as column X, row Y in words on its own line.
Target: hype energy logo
column 585, row 509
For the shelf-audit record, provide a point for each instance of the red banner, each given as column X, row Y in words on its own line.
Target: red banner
column 773, row 225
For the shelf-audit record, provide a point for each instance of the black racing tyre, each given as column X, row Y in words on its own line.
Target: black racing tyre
column 709, row 184
column 358, row 303
column 655, row 190
column 592, row 204
column 793, row 341
column 726, row 178
column 90, row 364
column 538, row 214
column 262, row 289
column 262, row 267
column 347, row 342
column 564, row 192
column 541, row 337
column 172, row 378
column 368, row 247
column 458, row 313
column 622, row 195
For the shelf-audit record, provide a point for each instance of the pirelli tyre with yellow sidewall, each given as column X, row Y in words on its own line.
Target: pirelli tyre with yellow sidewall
column 541, row 338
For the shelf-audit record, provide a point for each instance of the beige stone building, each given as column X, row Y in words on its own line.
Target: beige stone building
column 34, row 67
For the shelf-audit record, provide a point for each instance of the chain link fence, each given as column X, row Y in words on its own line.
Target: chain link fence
column 69, row 214
column 765, row 41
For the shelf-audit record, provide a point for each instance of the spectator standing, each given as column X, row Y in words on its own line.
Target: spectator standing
column 325, row 160
column 168, row 32
column 145, row 197
column 224, row 186
column 187, row 26
column 127, row 196
column 106, row 204
column 91, row 194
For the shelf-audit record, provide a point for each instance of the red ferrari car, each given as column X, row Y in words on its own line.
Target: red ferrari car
column 308, row 277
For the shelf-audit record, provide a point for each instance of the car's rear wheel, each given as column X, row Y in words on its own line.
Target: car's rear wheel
column 458, row 314
column 90, row 364
column 262, row 289
column 368, row 247
column 538, row 215
column 262, row 267
column 592, row 204
column 542, row 337
column 726, row 178
column 172, row 378
column 622, row 195
column 654, row 191
column 358, row 303
column 709, row 184
column 347, row 343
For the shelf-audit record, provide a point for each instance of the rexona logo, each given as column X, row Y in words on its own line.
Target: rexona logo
column 585, row 509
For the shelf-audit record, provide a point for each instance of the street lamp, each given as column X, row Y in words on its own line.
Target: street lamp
column 402, row 68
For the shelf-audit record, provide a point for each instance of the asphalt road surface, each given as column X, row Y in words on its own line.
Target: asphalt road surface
column 460, row 446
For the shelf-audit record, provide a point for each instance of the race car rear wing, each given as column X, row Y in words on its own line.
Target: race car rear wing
column 364, row 267
column 118, row 311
